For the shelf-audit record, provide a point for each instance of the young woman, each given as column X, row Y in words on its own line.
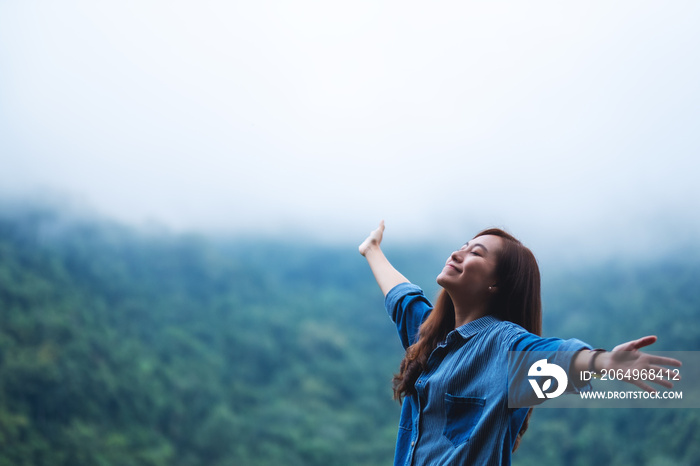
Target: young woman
column 453, row 381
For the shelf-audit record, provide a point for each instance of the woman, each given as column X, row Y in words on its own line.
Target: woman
column 453, row 380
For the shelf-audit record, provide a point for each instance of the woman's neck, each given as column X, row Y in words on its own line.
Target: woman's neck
column 465, row 314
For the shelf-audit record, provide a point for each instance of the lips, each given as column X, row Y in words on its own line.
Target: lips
column 450, row 264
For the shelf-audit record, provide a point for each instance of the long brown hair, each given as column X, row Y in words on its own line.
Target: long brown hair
column 517, row 300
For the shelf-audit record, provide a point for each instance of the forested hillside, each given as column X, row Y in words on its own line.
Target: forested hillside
column 120, row 347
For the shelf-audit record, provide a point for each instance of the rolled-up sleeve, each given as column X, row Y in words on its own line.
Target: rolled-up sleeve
column 408, row 308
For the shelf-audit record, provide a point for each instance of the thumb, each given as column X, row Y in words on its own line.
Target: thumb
column 641, row 342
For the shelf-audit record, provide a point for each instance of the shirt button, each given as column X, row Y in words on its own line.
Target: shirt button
column 413, row 443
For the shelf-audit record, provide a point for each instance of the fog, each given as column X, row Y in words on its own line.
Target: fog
column 573, row 125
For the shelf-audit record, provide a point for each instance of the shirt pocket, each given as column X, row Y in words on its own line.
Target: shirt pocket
column 462, row 413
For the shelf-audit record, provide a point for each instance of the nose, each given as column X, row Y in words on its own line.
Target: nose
column 457, row 256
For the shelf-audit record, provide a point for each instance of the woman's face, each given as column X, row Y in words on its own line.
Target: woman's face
column 471, row 270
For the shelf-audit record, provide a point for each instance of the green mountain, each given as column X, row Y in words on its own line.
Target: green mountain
column 120, row 347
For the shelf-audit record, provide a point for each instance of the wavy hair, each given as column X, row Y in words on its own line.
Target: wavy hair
column 517, row 300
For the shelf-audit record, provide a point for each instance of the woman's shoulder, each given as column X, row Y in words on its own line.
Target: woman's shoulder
column 510, row 327
column 507, row 332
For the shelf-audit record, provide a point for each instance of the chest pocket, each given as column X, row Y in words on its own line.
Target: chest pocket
column 462, row 413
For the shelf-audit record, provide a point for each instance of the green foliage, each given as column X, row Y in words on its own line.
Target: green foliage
column 118, row 347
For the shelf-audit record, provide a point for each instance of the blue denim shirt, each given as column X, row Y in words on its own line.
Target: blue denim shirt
column 459, row 414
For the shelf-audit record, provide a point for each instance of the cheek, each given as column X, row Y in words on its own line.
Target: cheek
column 479, row 272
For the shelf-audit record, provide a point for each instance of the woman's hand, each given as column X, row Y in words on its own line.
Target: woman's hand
column 626, row 356
column 386, row 275
column 373, row 240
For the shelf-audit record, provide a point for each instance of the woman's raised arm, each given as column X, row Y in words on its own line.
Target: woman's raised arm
column 386, row 275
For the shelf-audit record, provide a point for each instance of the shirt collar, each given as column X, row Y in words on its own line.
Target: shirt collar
column 475, row 326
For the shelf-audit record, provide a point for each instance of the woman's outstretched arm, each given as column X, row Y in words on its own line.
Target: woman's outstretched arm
column 386, row 275
column 626, row 356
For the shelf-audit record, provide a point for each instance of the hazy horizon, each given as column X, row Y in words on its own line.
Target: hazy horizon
column 572, row 125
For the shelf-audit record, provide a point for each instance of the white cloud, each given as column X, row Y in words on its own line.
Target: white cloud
column 330, row 115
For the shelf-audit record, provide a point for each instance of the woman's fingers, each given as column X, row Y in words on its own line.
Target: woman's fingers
column 664, row 361
column 661, row 372
column 643, row 386
column 379, row 232
column 636, row 344
column 374, row 238
column 644, row 341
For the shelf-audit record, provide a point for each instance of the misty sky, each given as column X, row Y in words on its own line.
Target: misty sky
column 574, row 122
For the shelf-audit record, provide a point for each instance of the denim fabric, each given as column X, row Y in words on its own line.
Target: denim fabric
column 459, row 414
